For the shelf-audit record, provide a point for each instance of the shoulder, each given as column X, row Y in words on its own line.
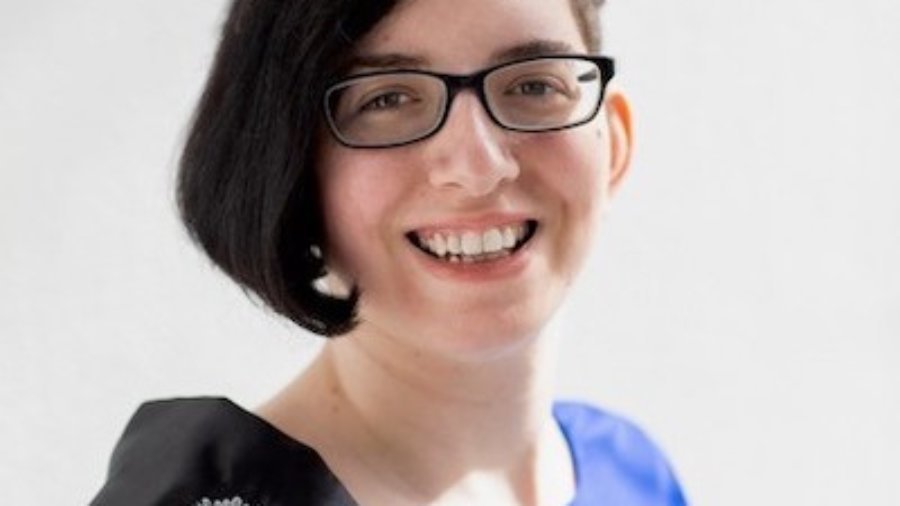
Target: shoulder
column 615, row 460
column 185, row 451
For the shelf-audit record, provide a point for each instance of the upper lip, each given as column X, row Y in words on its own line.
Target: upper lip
column 473, row 223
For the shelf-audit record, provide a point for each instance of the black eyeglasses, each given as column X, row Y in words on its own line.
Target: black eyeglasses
column 396, row 107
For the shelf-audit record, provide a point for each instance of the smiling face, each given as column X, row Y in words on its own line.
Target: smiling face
column 466, row 242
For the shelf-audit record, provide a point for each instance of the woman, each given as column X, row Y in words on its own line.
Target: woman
column 419, row 181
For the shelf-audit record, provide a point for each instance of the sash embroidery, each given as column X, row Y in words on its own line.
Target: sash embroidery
column 234, row 501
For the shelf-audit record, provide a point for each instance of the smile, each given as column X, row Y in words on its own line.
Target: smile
column 474, row 246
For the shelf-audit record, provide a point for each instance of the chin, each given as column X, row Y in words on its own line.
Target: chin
column 489, row 335
column 465, row 322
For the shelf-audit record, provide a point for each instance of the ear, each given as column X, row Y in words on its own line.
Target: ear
column 618, row 116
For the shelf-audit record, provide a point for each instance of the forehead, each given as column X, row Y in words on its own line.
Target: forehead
column 463, row 35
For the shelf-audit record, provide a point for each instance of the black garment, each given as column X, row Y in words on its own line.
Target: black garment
column 178, row 452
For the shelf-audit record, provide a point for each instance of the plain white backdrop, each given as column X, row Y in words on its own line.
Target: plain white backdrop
column 743, row 304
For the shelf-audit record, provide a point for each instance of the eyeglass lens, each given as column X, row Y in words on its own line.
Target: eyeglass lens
column 535, row 95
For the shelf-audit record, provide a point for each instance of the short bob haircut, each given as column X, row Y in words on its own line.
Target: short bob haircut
column 247, row 185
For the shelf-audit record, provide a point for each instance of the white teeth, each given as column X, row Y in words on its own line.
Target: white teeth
column 509, row 238
column 438, row 245
column 492, row 241
column 471, row 243
column 473, row 246
column 453, row 245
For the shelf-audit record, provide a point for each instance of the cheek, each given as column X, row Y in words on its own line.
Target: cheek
column 356, row 202
column 575, row 167
column 572, row 181
column 588, row 180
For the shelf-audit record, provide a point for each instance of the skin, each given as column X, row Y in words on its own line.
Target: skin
column 443, row 394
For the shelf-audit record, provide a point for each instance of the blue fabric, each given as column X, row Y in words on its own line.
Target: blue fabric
column 616, row 464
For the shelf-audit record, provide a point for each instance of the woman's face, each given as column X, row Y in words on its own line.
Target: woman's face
column 470, row 179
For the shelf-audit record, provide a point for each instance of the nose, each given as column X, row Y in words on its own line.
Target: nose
column 470, row 153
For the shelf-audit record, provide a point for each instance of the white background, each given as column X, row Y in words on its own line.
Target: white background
column 743, row 304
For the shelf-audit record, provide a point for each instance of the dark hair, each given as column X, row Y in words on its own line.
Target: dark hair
column 587, row 14
column 247, row 188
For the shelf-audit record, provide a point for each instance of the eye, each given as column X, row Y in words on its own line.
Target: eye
column 539, row 86
column 386, row 101
column 532, row 88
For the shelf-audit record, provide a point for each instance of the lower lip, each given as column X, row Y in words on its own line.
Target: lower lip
column 492, row 270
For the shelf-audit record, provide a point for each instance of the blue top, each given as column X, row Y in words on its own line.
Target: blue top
column 615, row 462
column 197, row 451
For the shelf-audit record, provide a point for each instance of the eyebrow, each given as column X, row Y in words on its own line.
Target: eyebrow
column 387, row 60
column 530, row 49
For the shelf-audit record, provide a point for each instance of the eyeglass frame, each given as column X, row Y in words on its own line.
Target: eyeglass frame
column 455, row 83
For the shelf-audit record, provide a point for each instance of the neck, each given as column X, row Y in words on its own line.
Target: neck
column 424, row 423
column 480, row 411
